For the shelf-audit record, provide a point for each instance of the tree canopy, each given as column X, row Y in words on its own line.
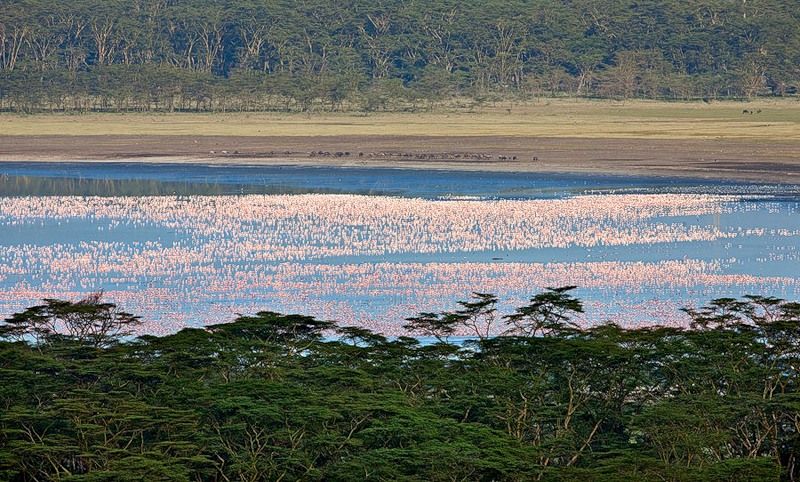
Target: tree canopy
column 361, row 54
column 289, row 397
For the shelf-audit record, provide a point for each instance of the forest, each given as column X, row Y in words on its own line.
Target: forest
column 291, row 397
column 365, row 55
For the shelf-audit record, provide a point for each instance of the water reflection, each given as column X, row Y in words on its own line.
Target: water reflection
column 194, row 258
column 15, row 186
column 235, row 179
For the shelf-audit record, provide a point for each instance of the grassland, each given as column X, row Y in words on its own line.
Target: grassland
column 754, row 141
column 770, row 120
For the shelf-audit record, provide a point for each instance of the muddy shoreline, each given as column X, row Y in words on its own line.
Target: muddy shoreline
column 728, row 159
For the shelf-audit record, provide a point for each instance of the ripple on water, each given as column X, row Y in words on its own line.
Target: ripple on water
column 371, row 260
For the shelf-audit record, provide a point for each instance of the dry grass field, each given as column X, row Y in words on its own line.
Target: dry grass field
column 770, row 120
column 754, row 141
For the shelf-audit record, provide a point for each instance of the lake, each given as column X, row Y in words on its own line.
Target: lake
column 185, row 245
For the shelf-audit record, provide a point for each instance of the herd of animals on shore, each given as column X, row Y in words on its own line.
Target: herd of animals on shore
column 395, row 155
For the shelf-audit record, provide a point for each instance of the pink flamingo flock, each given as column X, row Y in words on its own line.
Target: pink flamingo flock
column 346, row 257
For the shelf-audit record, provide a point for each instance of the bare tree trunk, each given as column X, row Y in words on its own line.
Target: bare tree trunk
column 11, row 41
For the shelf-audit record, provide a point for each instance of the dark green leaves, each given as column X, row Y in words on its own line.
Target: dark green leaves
column 267, row 397
column 86, row 322
column 366, row 56
column 547, row 314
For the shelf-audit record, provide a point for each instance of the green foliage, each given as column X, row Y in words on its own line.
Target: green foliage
column 289, row 397
column 360, row 55
column 86, row 322
column 548, row 313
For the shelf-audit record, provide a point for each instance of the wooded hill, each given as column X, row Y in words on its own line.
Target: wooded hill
column 267, row 397
column 393, row 54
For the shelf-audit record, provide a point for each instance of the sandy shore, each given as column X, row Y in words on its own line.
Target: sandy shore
column 732, row 159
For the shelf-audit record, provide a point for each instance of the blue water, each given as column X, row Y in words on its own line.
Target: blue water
column 764, row 259
column 97, row 178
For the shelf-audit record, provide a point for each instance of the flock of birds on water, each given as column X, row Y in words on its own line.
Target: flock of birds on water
column 375, row 260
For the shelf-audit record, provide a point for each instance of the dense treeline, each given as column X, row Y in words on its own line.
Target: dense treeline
column 362, row 54
column 277, row 397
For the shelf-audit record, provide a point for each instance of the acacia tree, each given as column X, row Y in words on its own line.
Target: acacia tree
column 716, row 401
column 438, row 325
column 477, row 317
column 439, row 50
column 14, row 32
column 547, row 313
column 88, row 322
column 293, row 333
